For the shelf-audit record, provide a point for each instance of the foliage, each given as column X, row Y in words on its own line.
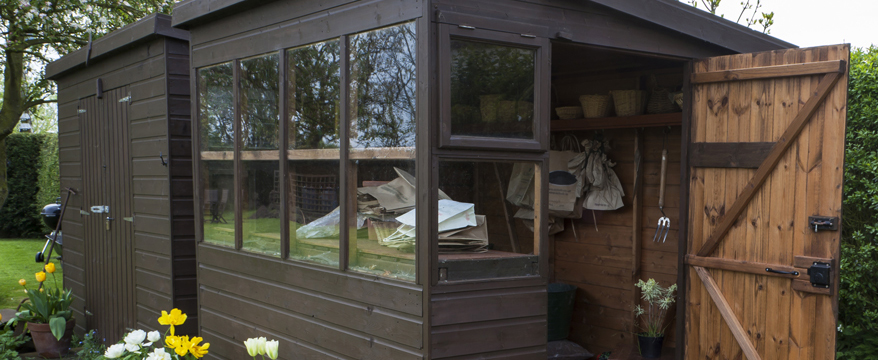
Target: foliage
column 9, row 342
column 765, row 20
column 21, row 216
column 49, row 305
column 858, row 291
column 32, row 32
column 140, row 345
column 660, row 300
column 90, row 347
column 49, row 175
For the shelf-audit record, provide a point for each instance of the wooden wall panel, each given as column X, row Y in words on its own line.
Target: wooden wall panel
column 324, row 311
column 598, row 258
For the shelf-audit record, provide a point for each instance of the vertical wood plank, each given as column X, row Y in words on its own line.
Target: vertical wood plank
column 727, row 313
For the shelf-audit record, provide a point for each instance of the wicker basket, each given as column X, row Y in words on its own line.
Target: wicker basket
column 629, row 102
column 569, row 112
column 660, row 102
column 595, row 106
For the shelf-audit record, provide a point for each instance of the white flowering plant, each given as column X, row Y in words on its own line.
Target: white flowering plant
column 659, row 300
column 262, row 347
column 142, row 345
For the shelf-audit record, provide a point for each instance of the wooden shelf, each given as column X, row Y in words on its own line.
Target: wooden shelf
column 622, row 122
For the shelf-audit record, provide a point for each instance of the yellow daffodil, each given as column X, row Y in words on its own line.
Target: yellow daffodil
column 50, row 268
column 41, row 276
column 180, row 344
column 22, row 282
column 196, row 350
column 176, row 317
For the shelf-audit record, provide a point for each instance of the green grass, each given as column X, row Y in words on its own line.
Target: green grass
column 18, row 263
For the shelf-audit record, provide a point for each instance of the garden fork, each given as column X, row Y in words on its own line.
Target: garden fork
column 664, row 223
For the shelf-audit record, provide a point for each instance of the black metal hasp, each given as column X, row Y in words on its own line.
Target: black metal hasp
column 164, row 163
column 794, row 273
column 823, row 223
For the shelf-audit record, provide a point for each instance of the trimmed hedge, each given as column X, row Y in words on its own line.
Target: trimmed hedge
column 50, row 179
column 20, row 215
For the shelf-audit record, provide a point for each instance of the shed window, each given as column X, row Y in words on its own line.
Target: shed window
column 382, row 150
column 217, row 113
column 260, row 168
column 313, row 85
column 486, row 213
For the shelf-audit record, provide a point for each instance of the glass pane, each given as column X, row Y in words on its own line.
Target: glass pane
column 314, row 196
column 216, row 114
column 260, row 175
column 313, row 77
column 477, row 237
column 492, row 90
column 382, row 150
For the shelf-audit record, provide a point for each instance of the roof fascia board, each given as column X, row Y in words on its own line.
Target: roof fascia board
column 193, row 12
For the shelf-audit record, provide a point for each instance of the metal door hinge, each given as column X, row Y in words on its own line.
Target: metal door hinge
column 81, row 111
column 100, row 209
column 818, row 223
column 125, row 99
column 128, row 219
column 821, row 274
column 84, row 212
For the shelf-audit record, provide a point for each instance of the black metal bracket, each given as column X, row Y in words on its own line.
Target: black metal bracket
column 818, row 223
column 794, row 273
column 821, row 274
column 164, row 163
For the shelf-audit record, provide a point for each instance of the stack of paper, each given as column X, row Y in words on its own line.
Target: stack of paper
column 460, row 229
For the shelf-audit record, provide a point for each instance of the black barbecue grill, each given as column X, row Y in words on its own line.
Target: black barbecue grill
column 51, row 214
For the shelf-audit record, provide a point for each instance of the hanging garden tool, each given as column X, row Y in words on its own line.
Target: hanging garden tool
column 664, row 223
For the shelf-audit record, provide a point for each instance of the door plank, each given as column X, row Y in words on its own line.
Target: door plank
column 727, row 314
column 749, row 267
column 731, row 154
column 771, row 72
column 765, row 169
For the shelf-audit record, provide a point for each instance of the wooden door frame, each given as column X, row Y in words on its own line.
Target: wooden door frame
column 768, row 155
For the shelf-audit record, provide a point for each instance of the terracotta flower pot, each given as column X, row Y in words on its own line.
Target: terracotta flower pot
column 46, row 344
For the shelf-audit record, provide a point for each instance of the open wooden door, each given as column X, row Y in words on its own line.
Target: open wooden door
column 765, row 156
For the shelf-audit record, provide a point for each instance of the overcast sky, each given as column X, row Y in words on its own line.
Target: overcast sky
column 809, row 23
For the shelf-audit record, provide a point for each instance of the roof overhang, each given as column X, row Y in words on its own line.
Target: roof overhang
column 193, row 12
column 145, row 29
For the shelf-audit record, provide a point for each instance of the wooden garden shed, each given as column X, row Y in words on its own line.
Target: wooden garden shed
column 372, row 178
column 124, row 139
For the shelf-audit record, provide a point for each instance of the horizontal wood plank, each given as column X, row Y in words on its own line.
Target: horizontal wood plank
column 769, row 72
column 729, row 155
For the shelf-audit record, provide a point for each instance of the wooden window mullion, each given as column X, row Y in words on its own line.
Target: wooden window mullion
column 238, row 167
column 344, row 153
column 283, row 115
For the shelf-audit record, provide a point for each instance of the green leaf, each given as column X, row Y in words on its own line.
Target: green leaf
column 58, row 325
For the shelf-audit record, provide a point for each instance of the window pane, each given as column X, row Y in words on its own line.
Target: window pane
column 260, row 173
column 314, row 124
column 313, row 78
column 382, row 150
column 492, row 90
column 216, row 118
column 475, row 241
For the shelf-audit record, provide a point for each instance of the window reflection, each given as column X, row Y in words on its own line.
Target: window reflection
column 313, row 78
column 216, row 118
column 492, row 90
column 260, row 174
column 383, row 86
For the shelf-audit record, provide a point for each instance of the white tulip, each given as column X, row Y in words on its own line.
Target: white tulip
column 135, row 348
column 159, row 354
column 135, row 337
column 271, row 349
column 260, row 341
column 154, row 336
column 252, row 345
column 115, row 351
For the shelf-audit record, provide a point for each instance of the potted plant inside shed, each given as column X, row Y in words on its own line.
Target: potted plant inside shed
column 659, row 300
column 48, row 317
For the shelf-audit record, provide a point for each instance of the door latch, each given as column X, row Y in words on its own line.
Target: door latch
column 107, row 221
column 823, row 223
column 100, row 209
column 821, row 274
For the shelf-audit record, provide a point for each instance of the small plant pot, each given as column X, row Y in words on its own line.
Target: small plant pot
column 650, row 347
column 46, row 344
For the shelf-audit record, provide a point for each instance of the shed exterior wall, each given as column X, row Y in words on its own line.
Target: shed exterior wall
column 155, row 72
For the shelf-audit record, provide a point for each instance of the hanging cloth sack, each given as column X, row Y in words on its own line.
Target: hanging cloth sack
column 608, row 196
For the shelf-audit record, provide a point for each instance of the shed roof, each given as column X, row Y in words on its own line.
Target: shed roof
column 671, row 14
column 145, row 29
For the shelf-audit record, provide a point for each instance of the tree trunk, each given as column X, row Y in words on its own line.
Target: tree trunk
column 10, row 112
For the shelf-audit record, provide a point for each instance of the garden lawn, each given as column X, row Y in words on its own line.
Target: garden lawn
column 17, row 262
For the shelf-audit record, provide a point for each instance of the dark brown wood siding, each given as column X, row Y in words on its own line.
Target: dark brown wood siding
column 154, row 76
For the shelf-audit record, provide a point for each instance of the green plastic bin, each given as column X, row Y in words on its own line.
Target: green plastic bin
column 561, row 297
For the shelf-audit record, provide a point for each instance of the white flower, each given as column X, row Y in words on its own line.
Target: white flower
column 159, row 354
column 135, row 348
column 271, row 349
column 261, row 344
column 135, row 337
column 114, row 351
column 252, row 345
column 154, row 336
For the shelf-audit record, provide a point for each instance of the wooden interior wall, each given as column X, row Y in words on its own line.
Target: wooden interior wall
column 142, row 68
column 598, row 258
